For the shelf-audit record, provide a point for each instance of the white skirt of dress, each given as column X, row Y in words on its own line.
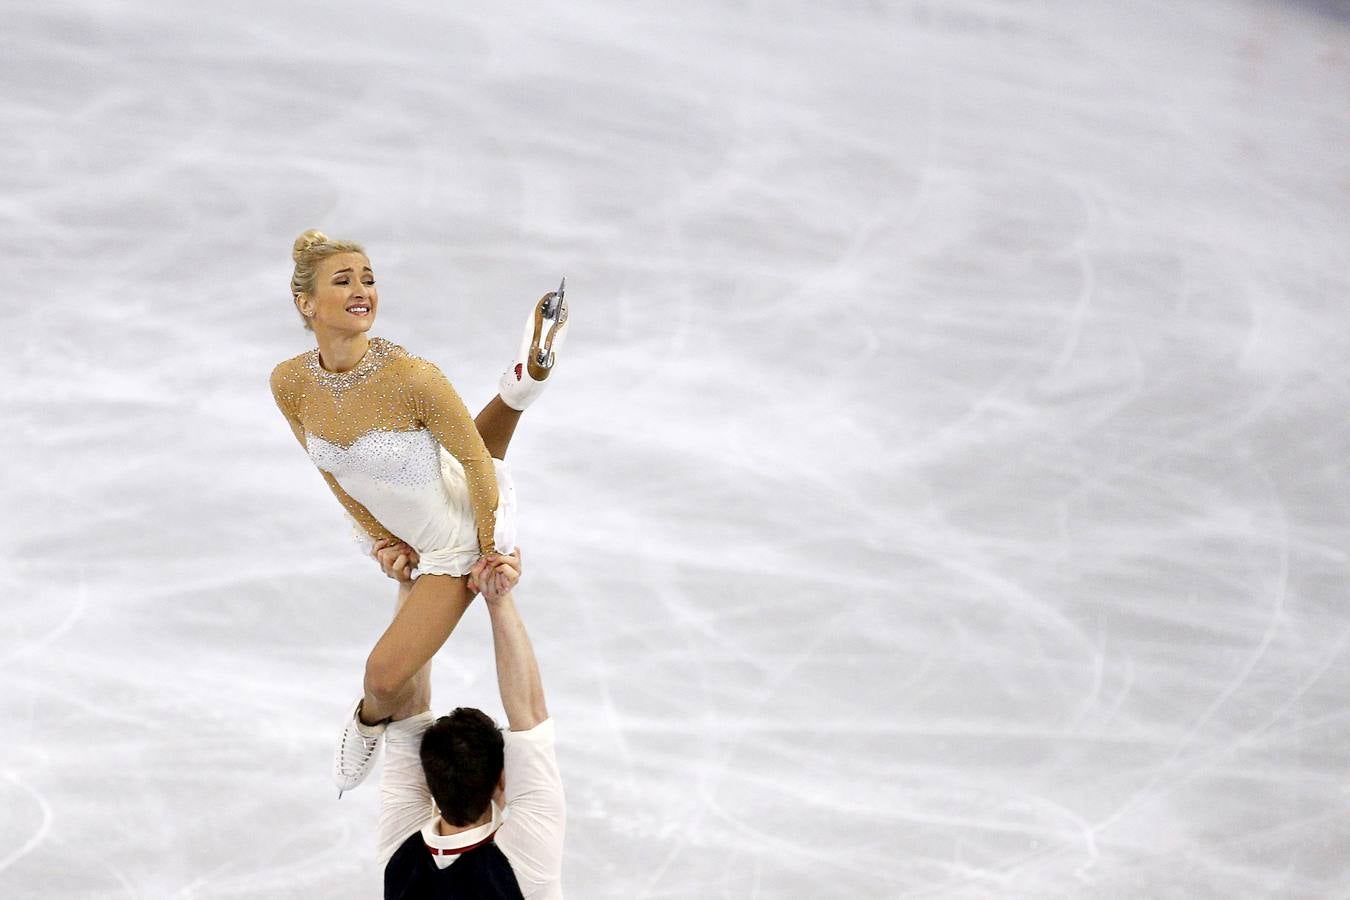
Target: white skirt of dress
column 461, row 552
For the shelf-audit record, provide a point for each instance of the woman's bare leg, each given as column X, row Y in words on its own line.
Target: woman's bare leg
column 398, row 671
column 496, row 423
column 419, row 697
column 395, row 687
column 431, row 611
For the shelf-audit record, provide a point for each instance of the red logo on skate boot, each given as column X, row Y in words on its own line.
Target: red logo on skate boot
column 519, row 367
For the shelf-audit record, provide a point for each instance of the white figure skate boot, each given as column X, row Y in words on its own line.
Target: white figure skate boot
column 356, row 752
column 545, row 332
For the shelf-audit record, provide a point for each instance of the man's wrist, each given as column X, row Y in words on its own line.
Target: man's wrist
column 504, row 600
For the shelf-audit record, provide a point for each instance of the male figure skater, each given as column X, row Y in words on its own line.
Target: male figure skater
column 466, row 811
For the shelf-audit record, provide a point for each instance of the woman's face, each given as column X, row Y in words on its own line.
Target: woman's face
column 344, row 298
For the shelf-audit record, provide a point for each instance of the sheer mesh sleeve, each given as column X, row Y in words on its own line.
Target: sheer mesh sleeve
column 359, row 514
column 439, row 408
column 374, row 531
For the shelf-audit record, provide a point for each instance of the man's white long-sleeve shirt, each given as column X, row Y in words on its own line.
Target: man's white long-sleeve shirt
column 529, row 832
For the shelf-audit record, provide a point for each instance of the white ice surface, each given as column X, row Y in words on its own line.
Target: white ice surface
column 944, row 491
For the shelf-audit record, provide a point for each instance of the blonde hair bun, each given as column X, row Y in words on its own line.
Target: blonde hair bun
column 306, row 242
column 308, row 251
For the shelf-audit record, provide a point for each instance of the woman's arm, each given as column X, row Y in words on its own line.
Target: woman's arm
column 364, row 520
column 438, row 407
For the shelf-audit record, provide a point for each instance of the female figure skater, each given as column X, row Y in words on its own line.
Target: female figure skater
column 417, row 474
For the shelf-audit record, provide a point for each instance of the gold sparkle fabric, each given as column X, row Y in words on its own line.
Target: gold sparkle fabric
column 373, row 412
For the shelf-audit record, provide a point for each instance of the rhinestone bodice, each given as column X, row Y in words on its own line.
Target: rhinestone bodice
column 384, row 426
column 395, row 457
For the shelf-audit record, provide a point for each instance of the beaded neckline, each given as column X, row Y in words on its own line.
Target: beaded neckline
column 379, row 352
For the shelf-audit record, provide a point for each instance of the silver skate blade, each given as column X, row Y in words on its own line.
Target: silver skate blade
column 555, row 300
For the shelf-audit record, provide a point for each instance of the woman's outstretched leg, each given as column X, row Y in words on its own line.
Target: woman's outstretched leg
column 496, row 424
column 527, row 376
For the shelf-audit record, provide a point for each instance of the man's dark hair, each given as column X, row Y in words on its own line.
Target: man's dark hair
column 462, row 758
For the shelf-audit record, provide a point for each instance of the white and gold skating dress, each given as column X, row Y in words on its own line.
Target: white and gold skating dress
column 400, row 451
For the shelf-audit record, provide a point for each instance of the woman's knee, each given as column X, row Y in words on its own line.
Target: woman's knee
column 385, row 678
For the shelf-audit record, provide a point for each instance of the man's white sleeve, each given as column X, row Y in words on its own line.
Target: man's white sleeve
column 532, row 835
column 405, row 801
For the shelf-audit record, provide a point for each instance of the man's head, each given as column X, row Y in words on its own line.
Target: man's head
column 462, row 758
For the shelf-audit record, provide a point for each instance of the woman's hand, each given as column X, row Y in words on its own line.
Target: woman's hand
column 396, row 558
column 496, row 575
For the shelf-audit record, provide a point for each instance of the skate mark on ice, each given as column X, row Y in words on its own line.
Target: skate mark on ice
column 43, row 829
column 715, row 774
column 1317, row 674
column 1089, row 275
column 609, row 710
column 73, row 615
column 96, row 710
column 1275, row 619
column 334, row 852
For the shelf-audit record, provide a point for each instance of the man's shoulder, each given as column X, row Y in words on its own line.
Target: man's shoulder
column 542, row 734
column 531, row 757
column 411, row 728
column 536, row 822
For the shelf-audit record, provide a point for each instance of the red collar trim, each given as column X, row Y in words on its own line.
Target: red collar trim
column 456, row 851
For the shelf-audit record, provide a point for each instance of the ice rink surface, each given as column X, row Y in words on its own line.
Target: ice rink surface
column 943, row 493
